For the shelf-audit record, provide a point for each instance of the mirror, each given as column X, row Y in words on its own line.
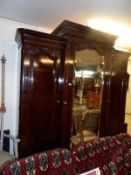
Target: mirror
column 87, row 92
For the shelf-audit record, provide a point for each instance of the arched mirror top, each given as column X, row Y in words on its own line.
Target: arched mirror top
column 87, row 57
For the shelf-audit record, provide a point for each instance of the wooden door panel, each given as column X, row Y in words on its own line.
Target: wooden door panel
column 114, row 95
column 41, row 94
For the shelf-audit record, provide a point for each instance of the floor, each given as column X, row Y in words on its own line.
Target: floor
column 128, row 121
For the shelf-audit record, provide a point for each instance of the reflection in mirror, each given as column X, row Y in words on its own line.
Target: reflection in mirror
column 87, row 79
column 87, row 92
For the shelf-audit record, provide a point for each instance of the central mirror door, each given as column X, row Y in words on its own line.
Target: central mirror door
column 87, row 95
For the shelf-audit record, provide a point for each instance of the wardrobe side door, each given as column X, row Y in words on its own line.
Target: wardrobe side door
column 115, row 82
column 42, row 81
column 118, row 89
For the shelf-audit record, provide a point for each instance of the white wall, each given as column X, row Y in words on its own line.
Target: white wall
column 128, row 99
column 8, row 47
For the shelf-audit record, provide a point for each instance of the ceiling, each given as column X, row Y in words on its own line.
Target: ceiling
column 50, row 13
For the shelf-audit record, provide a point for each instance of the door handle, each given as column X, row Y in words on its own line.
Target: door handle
column 58, row 101
column 65, row 102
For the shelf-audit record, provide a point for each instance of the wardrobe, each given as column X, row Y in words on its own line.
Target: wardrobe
column 47, row 82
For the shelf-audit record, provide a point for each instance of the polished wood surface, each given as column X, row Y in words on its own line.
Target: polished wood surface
column 46, row 85
column 114, row 78
column 42, row 123
column 114, row 94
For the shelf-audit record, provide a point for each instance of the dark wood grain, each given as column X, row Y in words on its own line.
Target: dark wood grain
column 42, row 123
column 114, row 81
column 46, row 85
